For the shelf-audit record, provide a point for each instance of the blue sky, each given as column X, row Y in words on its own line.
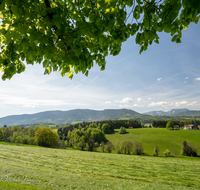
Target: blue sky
column 164, row 77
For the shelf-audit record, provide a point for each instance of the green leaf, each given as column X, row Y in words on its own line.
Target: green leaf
column 14, row 9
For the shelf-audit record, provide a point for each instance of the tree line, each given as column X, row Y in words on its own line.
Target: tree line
column 163, row 123
column 113, row 124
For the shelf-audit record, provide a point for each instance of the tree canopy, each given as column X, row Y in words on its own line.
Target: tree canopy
column 69, row 36
column 170, row 124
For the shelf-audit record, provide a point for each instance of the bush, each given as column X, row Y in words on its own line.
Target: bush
column 156, row 151
column 122, row 130
column 109, row 147
column 189, row 150
column 138, row 148
column 167, row 153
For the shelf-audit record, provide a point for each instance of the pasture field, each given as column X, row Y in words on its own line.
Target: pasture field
column 163, row 138
column 47, row 168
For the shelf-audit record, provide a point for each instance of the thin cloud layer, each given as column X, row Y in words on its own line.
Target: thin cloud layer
column 124, row 100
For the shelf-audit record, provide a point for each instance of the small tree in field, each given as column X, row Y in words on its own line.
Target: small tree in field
column 109, row 147
column 170, row 124
column 189, row 150
column 175, row 152
column 122, row 130
column 167, row 153
column 138, row 148
column 156, row 151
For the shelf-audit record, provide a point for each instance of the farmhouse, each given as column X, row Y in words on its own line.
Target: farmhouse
column 191, row 126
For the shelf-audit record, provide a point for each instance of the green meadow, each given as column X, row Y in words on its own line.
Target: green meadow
column 47, row 168
column 163, row 138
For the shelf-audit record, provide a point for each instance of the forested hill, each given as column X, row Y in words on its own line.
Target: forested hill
column 63, row 117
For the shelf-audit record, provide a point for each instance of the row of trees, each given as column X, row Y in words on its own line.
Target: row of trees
column 186, row 150
column 105, row 126
column 163, row 123
column 42, row 136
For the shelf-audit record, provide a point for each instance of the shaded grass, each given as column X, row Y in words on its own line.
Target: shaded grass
column 66, row 169
column 163, row 138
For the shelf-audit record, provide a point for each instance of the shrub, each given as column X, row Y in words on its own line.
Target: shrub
column 122, row 130
column 188, row 150
column 138, row 148
column 156, row 151
column 167, row 153
column 109, row 147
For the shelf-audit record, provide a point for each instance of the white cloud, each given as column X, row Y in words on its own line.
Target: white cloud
column 192, row 103
column 149, row 98
column 107, row 102
column 181, row 103
column 139, row 99
column 186, row 77
column 162, row 103
column 136, row 105
column 197, row 78
column 159, row 79
column 124, row 100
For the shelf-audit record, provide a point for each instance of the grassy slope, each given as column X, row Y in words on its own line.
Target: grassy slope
column 163, row 138
column 65, row 169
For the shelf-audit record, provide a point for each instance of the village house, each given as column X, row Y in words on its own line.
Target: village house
column 191, row 126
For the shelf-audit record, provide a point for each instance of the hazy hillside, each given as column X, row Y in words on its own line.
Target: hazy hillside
column 62, row 117
column 173, row 112
column 188, row 113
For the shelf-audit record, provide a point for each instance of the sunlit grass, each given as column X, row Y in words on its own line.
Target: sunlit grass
column 163, row 138
column 68, row 169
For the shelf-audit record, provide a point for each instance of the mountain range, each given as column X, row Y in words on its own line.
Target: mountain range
column 86, row 115
column 64, row 117
column 175, row 112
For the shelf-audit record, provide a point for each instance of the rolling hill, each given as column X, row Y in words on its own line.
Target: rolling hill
column 63, row 117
